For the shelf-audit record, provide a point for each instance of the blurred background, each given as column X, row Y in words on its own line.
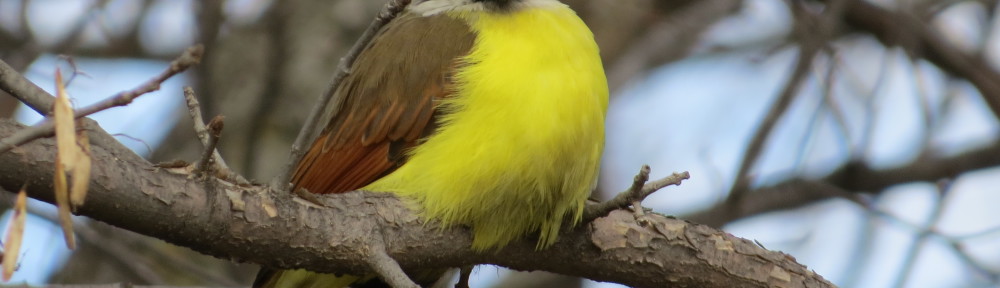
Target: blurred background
column 860, row 137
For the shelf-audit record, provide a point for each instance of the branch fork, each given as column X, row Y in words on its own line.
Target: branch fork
column 640, row 189
column 211, row 161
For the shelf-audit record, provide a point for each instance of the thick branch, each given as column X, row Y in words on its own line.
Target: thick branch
column 248, row 225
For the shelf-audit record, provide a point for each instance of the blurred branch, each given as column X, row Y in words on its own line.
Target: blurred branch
column 920, row 40
column 813, row 33
column 124, row 46
column 669, row 39
column 70, row 42
column 118, row 285
column 848, row 182
column 138, row 257
column 210, row 20
column 977, row 265
column 277, row 18
column 126, row 259
column 23, row 47
column 247, row 224
column 928, row 230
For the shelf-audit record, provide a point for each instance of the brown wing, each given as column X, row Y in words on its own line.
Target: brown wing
column 387, row 103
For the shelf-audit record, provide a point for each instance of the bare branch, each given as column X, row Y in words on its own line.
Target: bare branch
column 39, row 100
column 813, row 32
column 848, row 182
column 214, row 132
column 919, row 40
column 27, row 92
column 221, row 168
column 247, row 224
column 191, row 57
column 635, row 194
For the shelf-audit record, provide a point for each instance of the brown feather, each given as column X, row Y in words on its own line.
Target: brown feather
column 387, row 103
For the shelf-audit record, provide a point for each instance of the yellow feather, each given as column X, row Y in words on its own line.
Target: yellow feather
column 518, row 149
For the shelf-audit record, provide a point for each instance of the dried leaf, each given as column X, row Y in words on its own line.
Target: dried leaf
column 66, row 157
column 65, row 126
column 15, row 233
column 81, row 171
column 62, row 201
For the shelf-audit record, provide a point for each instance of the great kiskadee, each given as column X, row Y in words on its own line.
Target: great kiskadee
column 485, row 113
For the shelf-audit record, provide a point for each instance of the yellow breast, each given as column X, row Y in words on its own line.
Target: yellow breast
column 518, row 147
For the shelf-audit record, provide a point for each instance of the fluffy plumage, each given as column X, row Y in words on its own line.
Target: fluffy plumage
column 518, row 146
column 486, row 113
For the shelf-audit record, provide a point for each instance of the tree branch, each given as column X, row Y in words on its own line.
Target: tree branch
column 246, row 224
column 848, row 182
column 634, row 195
column 919, row 40
column 40, row 101
column 25, row 91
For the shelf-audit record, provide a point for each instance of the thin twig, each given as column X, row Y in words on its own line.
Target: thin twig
column 635, row 192
column 308, row 132
column 149, row 150
column 214, row 132
column 944, row 190
column 194, row 109
column 191, row 56
column 221, row 168
column 639, row 190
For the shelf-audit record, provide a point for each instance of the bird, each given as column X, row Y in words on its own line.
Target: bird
column 482, row 113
